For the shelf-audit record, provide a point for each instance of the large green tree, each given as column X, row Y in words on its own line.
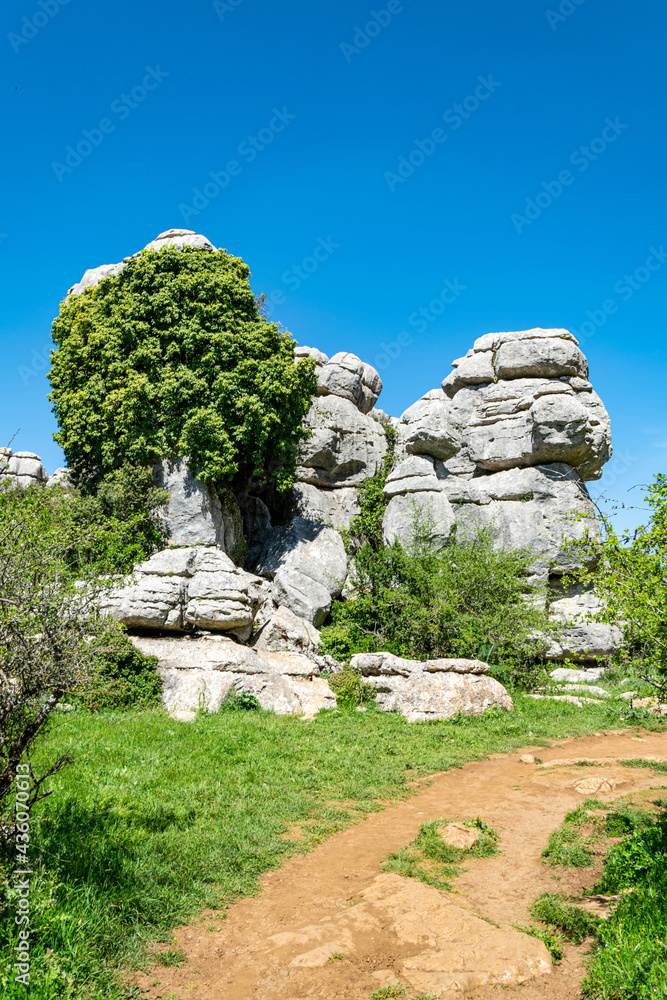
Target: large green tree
column 172, row 356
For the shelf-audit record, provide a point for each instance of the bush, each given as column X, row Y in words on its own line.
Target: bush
column 468, row 600
column 121, row 677
column 239, row 701
column 350, row 689
column 630, row 576
column 172, row 356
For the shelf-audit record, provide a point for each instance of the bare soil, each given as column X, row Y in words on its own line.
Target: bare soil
column 251, row 955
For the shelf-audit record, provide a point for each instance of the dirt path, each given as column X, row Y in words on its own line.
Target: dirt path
column 277, row 946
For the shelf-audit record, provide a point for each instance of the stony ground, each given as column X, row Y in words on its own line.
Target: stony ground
column 329, row 925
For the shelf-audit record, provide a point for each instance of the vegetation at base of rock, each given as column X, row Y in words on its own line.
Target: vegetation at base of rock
column 172, row 356
column 239, row 701
column 630, row 959
column 467, row 600
column 430, row 860
column 551, row 938
column 350, row 689
column 121, row 676
column 630, row 575
column 125, row 863
column 560, row 914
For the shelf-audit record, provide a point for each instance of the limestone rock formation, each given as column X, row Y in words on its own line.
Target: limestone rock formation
column 506, row 444
column 435, row 689
column 308, row 565
column 285, row 631
column 22, row 468
column 199, row 671
column 346, row 446
column 179, row 589
column 583, row 639
column 172, row 237
column 194, row 514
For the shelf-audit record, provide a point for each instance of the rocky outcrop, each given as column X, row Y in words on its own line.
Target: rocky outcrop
column 178, row 238
column 308, row 566
column 434, row 689
column 285, row 631
column 21, row 468
column 194, row 514
column 345, row 447
column 583, row 639
column 506, row 444
column 180, row 589
column 198, row 672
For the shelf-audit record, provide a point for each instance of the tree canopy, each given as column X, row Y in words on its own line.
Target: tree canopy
column 172, row 356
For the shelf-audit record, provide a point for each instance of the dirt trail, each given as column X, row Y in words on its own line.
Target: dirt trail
column 267, row 949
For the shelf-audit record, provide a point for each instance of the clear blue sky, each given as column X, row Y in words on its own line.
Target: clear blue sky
column 314, row 116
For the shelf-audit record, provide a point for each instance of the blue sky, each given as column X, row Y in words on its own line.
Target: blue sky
column 515, row 151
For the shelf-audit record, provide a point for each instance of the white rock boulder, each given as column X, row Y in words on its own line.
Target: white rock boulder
column 430, row 690
column 345, row 447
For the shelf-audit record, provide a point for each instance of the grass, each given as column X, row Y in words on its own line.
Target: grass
column 631, row 957
column 430, row 860
column 157, row 820
column 559, row 914
column 570, row 846
column 551, row 939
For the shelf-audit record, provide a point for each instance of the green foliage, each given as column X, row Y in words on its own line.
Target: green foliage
column 630, row 959
column 173, row 356
column 557, row 911
column 239, row 701
column 551, row 938
column 366, row 527
column 122, row 512
column 568, row 847
column 636, row 859
column 467, row 600
column 631, row 577
column 122, row 676
column 431, row 861
column 350, row 689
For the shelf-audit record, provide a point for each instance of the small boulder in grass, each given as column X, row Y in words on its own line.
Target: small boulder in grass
column 459, row 835
column 527, row 758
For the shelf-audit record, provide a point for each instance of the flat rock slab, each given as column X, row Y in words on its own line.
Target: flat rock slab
column 459, row 835
column 452, row 948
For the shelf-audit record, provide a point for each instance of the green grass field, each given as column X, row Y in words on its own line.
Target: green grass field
column 157, row 819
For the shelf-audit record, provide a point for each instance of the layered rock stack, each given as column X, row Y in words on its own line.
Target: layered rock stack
column 506, row 443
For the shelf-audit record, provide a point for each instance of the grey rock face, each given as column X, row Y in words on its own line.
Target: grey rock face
column 179, row 589
column 333, row 507
column 345, row 447
column 194, row 515
column 436, row 689
column 308, row 565
column 582, row 639
column 541, row 509
column 427, row 428
column 347, row 376
column 521, row 422
column 172, row 237
column 284, row 631
column 217, row 594
column 199, row 672
column 61, row 477
column 320, row 358
column 424, row 507
column 22, row 468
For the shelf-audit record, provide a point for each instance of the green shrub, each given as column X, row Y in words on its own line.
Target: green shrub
column 172, row 356
column 239, row 701
column 468, row 600
column 638, row 858
column 350, row 689
column 122, row 677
